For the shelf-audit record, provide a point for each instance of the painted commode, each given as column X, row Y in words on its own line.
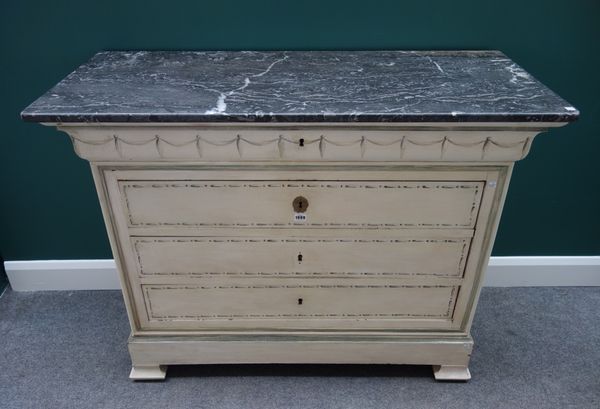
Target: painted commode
column 301, row 207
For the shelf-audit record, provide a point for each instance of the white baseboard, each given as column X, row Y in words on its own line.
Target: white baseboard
column 567, row 271
column 43, row 275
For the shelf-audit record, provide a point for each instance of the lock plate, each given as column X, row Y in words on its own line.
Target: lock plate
column 300, row 204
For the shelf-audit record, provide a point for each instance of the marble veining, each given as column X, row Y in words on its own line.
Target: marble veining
column 300, row 86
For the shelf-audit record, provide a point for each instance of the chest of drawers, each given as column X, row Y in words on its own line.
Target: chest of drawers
column 352, row 224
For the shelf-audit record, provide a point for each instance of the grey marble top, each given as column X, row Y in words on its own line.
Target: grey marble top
column 299, row 86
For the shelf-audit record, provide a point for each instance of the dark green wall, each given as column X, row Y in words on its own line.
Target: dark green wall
column 48, row 206
column 3, row 277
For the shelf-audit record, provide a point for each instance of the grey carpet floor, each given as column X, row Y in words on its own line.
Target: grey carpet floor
column 534, row 348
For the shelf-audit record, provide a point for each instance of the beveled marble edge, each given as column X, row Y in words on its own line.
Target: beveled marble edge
column 288, row 118
column 300, row 126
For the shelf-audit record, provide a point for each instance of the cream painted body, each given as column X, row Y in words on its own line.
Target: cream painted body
column 386, row 267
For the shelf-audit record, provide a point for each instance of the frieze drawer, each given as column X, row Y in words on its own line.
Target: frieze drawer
column 332, row 204
column 310, row 305
column 349, row 256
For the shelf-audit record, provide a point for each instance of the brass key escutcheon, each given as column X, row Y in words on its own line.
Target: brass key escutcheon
column 300, row 204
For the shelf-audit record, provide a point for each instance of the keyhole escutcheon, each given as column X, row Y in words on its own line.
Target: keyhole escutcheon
column 300, row 300
column 300, row 204
column 299, row 258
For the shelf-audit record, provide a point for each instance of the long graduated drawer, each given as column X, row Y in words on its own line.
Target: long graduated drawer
column 352, row 255
column 332, row 200
column 310, row 304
